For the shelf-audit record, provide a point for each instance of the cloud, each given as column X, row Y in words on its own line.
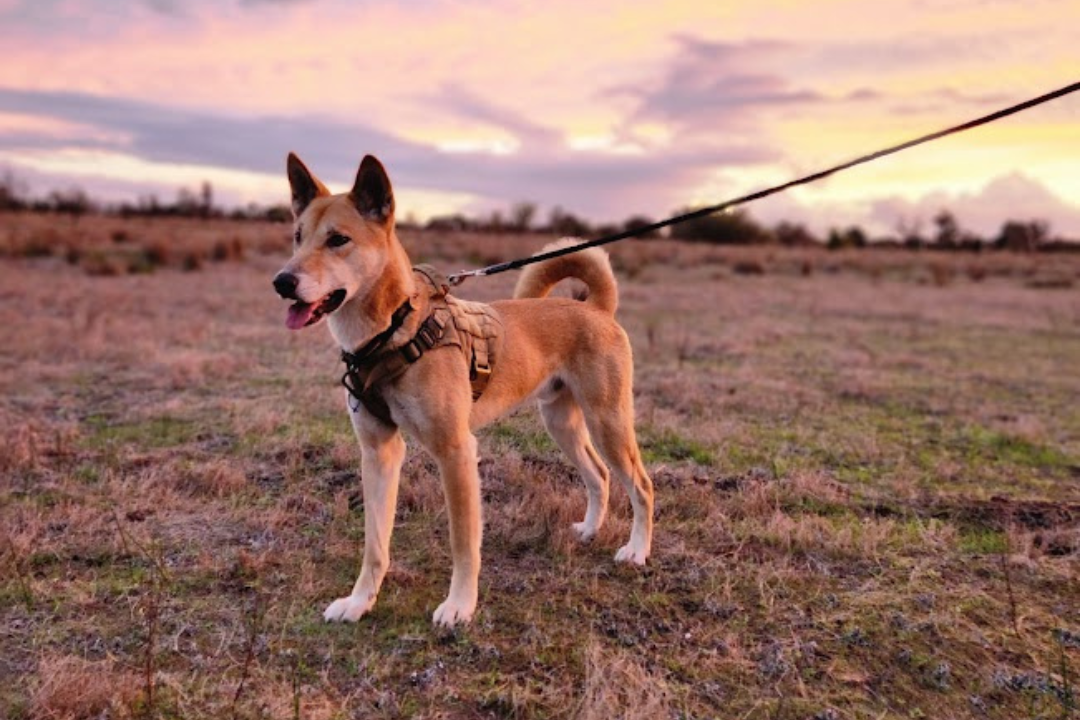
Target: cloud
column 471, row 106
column 159, row 133
column 709, row 87
column 715, row 86
column 1013, row 196
column 596, row 184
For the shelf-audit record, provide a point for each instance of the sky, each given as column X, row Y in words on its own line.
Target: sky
column 607, row 109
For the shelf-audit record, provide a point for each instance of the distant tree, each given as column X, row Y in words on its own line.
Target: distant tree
column 567, row 224
column 1023, row 236
column 852, row 237
column 636, row 223
column 495, row 223
column 74, row 202
column 521, row 216
column 910, row 233
column 206, row 199
column 449, row 223
column 948, row 230
column 728, row 228
column 187, row 203
column 277, row 213
column 793, row 235
column 11, row 192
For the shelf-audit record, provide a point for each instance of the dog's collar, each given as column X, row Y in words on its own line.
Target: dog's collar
column 375, row 344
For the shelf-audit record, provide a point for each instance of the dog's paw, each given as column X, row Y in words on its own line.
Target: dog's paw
column 452, row 613
column 348, row 609
column 584, row 531
column 630, row 554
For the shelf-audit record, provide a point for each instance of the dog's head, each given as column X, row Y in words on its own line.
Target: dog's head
column 341, row 243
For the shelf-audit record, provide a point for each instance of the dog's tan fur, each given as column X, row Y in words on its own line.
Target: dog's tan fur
column 572, row 356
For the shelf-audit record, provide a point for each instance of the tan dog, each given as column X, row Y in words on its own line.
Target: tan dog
column 349, row 268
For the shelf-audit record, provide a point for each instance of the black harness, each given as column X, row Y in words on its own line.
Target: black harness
column 367, row 368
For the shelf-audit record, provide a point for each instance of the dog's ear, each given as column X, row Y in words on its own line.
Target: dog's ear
column 305, row 186
column 371, row 192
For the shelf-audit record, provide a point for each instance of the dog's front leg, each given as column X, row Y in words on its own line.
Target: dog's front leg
column 382, row 452
column 461, row 485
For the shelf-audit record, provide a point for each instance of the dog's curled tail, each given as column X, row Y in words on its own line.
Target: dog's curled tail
column 591, row 266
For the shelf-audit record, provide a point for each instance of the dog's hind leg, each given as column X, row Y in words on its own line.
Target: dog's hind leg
column 609, row 414
column 619, row 447
column 383, row 451
column 566, row 424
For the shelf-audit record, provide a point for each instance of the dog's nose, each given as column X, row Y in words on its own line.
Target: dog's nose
column 285, row 284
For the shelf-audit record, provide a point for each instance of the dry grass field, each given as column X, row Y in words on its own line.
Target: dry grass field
column 867, row 468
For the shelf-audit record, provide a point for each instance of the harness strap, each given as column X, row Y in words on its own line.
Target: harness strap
column 367, row 370
column 479, row 369
column 364, row 382
column 440, row 285
column 376, row 343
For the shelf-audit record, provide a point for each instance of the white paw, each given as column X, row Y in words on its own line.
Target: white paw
column 348, row 609
column 630, row 554
column 453, row 612
column 584, row 531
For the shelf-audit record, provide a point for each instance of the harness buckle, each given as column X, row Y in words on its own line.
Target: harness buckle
column 430, row 332
column 425, row 336
column 478, row 378
column 411, row 351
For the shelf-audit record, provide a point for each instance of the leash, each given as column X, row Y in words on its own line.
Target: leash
column 460, row 277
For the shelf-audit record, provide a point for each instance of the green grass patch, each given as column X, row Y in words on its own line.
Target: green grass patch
column 152, row 433
column 983, row 541
column 980, row 443
column 523, row 439
column 669, row 446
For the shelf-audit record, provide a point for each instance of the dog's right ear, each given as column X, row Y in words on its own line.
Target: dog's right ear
column 305, row 186
column 371, row 193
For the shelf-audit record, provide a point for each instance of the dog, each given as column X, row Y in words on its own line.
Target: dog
column 349, row 269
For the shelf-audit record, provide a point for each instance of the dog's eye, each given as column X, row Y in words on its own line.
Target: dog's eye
column 337, row 240
column 296, row 237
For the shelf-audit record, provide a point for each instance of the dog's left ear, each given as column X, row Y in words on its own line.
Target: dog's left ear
column 371, row 192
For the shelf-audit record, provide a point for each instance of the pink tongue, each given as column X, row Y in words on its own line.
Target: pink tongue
column 299, row 314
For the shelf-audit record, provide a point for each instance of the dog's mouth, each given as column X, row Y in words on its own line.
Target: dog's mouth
column 302, row 314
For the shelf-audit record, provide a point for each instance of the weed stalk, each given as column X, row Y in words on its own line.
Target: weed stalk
column 151, row 641
column 296, row 686
column 254, row 625
column 1004, row 558
column 1068, row 699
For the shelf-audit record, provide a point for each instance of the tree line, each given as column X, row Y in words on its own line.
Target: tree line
column 726, row 228
column 75, row 201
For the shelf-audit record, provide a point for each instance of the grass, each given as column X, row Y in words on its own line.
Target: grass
column 667, row 445
column 867, row 501
column 157, row 432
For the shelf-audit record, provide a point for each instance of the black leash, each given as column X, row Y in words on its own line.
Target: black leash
column 460, row 277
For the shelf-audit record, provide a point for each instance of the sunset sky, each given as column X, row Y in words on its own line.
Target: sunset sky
column 607, row 108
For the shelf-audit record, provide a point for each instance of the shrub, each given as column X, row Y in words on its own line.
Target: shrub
column 748, row 267
column 734, row 228
column 193, row 261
